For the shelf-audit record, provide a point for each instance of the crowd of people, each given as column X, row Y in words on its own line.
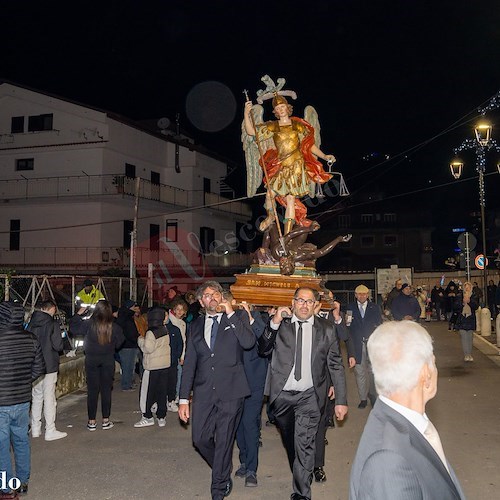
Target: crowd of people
column 214, row 362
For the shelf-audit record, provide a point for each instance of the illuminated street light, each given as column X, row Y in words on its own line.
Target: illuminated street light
column 481, row 145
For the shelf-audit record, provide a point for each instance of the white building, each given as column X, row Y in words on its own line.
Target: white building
column 67, row 190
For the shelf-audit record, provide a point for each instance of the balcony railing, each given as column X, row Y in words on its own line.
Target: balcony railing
column 112, row 257
column 109, row 185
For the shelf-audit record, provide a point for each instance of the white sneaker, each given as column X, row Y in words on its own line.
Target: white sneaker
column 172, row 407
column 36, row 431
column 162, row 422
column 55, row 434
column 145, row 422
column 154, row 408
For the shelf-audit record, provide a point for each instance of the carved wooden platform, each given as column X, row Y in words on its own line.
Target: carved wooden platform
column 271, row 289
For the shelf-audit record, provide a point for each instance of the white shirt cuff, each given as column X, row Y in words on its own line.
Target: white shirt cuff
column 183, row 401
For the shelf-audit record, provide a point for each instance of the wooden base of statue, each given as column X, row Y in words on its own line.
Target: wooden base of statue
column 263, row 285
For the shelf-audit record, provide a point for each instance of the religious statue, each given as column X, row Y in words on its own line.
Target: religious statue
column 285, row 152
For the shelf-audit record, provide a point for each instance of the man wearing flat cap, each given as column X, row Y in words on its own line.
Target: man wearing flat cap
column 362, row 317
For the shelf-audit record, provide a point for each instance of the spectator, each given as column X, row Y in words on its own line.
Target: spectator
column 176, row 349
column 400, row 455
column 466, row 321
column 491, row 292
column 48, row 333
column 478, row 293
column 156, row 348
column 21, row 363
column 194, row 306
column 128, row 352
column 437, row 300
column 176, row 315
column 395, row 292
column 102, row 337
column 405, row 305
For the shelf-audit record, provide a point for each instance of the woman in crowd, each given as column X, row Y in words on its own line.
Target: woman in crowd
column 466, row 321
column 156, row 348
column 102, row 337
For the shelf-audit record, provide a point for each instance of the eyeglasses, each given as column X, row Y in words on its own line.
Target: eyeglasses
column 211, row 295
column 301, row 302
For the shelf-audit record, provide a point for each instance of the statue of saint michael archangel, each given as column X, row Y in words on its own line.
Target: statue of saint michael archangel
column 285, row 153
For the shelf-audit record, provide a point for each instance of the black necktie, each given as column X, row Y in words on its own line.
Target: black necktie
column 298, row 353
column 213, row 334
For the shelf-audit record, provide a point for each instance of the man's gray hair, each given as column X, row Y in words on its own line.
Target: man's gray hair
column 398, row 350
column 208, row 284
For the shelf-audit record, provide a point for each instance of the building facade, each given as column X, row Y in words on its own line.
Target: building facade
column 70, row 176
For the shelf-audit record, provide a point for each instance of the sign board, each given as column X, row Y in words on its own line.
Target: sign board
column 387, row 277
column 467, row 240
column 479, row 261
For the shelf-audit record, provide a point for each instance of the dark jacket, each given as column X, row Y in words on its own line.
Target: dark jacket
column 405, row 305
column 176, row 343
column 126, row 321
column 360, row 328
column 325, row 358
column 469, row 322
column 255, row 366
column 91, row 344
column 21, row 357
column 221, row 370
column 48, row 333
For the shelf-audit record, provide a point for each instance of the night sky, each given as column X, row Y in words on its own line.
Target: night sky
column 386, row 77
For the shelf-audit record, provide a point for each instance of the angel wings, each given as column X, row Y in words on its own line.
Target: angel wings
column 256, row 147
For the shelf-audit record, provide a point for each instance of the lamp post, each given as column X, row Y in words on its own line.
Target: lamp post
column 481, row 144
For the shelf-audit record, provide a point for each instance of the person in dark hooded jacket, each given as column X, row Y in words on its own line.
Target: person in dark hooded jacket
column 155, row 346
column 129, row 350
column 21, row 362
column 48, row 332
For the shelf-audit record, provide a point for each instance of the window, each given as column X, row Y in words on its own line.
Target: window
column 25, row 164
column 367, row 218
column 367, row 241
column 344, row 220
column 15, row 234
column 390, row 240
column 38, row 123
column 171, row 229
column 130, row 170
column 155, row 178
column 207, row 237
column 128, row 227
column 17, row 125
column 389, row 217
column 154, row 237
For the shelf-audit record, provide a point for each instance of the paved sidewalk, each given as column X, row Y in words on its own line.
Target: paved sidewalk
column 160, row 463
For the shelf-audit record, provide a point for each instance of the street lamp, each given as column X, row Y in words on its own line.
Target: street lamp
column 481, row 145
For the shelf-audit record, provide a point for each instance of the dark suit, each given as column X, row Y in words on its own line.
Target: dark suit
column 360, row 330
column 327, row 414
column 247, row 435
column 219, row 385
column 298, row 413
column 394, row 460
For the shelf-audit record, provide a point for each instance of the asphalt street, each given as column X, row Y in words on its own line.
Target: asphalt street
column 160, row 463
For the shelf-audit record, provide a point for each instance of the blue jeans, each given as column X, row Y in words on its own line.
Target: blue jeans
column 179, row 375
column 14, row 422
column 127, row 357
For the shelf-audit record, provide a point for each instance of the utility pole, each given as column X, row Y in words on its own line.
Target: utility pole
column 133, row 243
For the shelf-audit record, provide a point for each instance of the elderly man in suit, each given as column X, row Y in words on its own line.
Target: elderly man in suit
column 400, row 454
column 304, row 349
column 362, row 317
column 213, row 368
